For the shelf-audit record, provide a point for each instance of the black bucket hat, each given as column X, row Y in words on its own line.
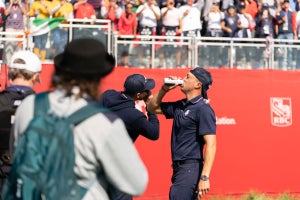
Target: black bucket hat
column 204, row 77
column 85, row 57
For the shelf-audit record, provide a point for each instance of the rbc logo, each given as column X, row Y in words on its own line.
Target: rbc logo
column 281, row 111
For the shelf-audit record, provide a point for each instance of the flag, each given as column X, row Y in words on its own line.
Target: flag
column 41, row 26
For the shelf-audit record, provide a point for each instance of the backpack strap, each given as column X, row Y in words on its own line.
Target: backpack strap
column 42, row 103
column 4, row 100
column 85, row 112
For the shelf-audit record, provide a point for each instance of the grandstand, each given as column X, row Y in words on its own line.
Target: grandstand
column 195, row 51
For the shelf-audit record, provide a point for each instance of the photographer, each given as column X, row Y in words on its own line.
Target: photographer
column 149, row 16
column 111, row 11
column 14, row 23
column 171, row 26
column 136, row 87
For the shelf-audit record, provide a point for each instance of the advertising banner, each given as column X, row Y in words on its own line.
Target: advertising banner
column 258, row 130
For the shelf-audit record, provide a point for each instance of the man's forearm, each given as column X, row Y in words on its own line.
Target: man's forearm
column 154, row 105
column 209, row 156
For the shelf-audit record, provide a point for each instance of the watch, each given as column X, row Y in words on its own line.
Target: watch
column 204, row 178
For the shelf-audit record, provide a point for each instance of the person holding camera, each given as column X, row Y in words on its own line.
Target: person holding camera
column 171, row 26
column 14, row 23
column 111, row 11
column 193, row 141
column 136, row 87
column 148, row 15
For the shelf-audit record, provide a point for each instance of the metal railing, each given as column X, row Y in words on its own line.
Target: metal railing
column 173, row 51
column 214, row 52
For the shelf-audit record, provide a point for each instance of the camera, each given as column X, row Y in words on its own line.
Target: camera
column 169, row 81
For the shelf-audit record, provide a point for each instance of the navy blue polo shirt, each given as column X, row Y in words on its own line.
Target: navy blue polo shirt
column 191, row 121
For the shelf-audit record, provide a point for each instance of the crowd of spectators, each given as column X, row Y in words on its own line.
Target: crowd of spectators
column 215, row 18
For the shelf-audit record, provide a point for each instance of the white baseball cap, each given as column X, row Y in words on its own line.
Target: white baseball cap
column 32, row 62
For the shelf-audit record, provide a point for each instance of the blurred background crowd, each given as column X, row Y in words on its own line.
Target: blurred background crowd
column 270, row 19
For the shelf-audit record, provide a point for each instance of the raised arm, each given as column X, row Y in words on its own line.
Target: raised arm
column 154, row 104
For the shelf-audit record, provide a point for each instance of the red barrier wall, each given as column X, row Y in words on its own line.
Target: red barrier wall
column 258, row 139
column 258, row 117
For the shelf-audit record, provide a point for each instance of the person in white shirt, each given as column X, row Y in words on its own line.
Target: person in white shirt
column 171, row 26
column 191, row 22
column 213, row 20
column 148, row 14
column 190, row 15
column 247, row 24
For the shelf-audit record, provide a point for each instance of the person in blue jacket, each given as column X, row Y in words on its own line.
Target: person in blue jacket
column 136, row 87
column 122, row 103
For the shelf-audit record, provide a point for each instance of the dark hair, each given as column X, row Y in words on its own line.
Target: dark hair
column 128, row 3
column 68, row 82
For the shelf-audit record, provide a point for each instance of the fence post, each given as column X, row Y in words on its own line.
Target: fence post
column 231, row 54
column 152, row 52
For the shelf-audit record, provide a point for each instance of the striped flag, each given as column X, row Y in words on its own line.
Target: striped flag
column 40, row 26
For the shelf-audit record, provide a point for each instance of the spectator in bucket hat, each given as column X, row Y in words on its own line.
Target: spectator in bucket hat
column 102, row 145
column 86, row 58
column 194, row 126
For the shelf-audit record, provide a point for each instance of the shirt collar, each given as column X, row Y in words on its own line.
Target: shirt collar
column 193, row 101
column 19, row 88
column 196, row 99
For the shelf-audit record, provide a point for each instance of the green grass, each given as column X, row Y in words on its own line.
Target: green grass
column 259, row 196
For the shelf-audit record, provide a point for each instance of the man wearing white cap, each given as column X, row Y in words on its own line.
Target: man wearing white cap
column 23, row 72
